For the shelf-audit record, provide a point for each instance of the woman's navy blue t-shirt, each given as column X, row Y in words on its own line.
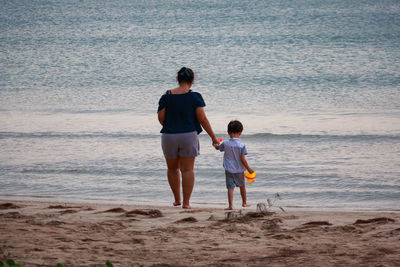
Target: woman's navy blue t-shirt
column 180, row 112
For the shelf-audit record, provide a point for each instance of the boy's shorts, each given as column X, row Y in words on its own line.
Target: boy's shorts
column 180, row 145
column 234, row 179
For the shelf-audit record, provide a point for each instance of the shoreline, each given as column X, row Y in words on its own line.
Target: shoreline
column 194, row 204
column 42, row 233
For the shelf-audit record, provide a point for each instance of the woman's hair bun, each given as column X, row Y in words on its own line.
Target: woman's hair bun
column 185, row 75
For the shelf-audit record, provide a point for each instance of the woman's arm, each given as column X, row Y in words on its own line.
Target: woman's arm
column 202, row 118
column 161, row 116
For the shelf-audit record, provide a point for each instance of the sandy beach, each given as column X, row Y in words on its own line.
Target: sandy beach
column 44, row 234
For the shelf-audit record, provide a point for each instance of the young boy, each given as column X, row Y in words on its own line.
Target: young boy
column 235, row 162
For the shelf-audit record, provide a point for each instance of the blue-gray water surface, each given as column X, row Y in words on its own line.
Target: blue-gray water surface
column 315, row 83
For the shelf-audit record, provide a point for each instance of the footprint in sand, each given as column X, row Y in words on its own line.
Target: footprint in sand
column 187, row 220
column 6, row 206
column 382, row 220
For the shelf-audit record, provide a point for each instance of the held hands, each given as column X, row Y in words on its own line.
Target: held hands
column 216, row 143
column 250, row 170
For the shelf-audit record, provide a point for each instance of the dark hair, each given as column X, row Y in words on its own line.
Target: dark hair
column 235, row 127
column 185, row 75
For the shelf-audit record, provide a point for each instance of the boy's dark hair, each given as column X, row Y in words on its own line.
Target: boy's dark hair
column 235, row 126
column 185, row 75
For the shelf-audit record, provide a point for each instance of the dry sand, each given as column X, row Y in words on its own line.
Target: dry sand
column 44, row 234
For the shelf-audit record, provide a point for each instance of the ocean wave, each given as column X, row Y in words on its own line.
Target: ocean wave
column 256, row 136
column 72, row 135
column 82, row 171
column 347, row 137
column 86, row 111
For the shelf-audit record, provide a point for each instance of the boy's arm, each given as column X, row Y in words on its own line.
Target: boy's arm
column 245, row 164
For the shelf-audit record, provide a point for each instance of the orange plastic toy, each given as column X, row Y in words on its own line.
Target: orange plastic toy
column 250, row 176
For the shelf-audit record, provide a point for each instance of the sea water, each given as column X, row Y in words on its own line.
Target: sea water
column 315, row 83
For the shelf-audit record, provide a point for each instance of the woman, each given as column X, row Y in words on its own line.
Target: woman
column 181, row 114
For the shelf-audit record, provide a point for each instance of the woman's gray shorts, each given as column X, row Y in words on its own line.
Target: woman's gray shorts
column 180, row 145
column 234, row 179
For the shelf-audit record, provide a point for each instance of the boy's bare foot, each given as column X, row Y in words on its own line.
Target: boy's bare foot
column 186, row 207
column 176, row 203
column 246, row 205
column 229, row 208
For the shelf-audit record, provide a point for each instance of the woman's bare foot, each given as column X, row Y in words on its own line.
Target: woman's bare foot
column 176, row 203
column 246, row 205
column 186, row 207
column 229, row 208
